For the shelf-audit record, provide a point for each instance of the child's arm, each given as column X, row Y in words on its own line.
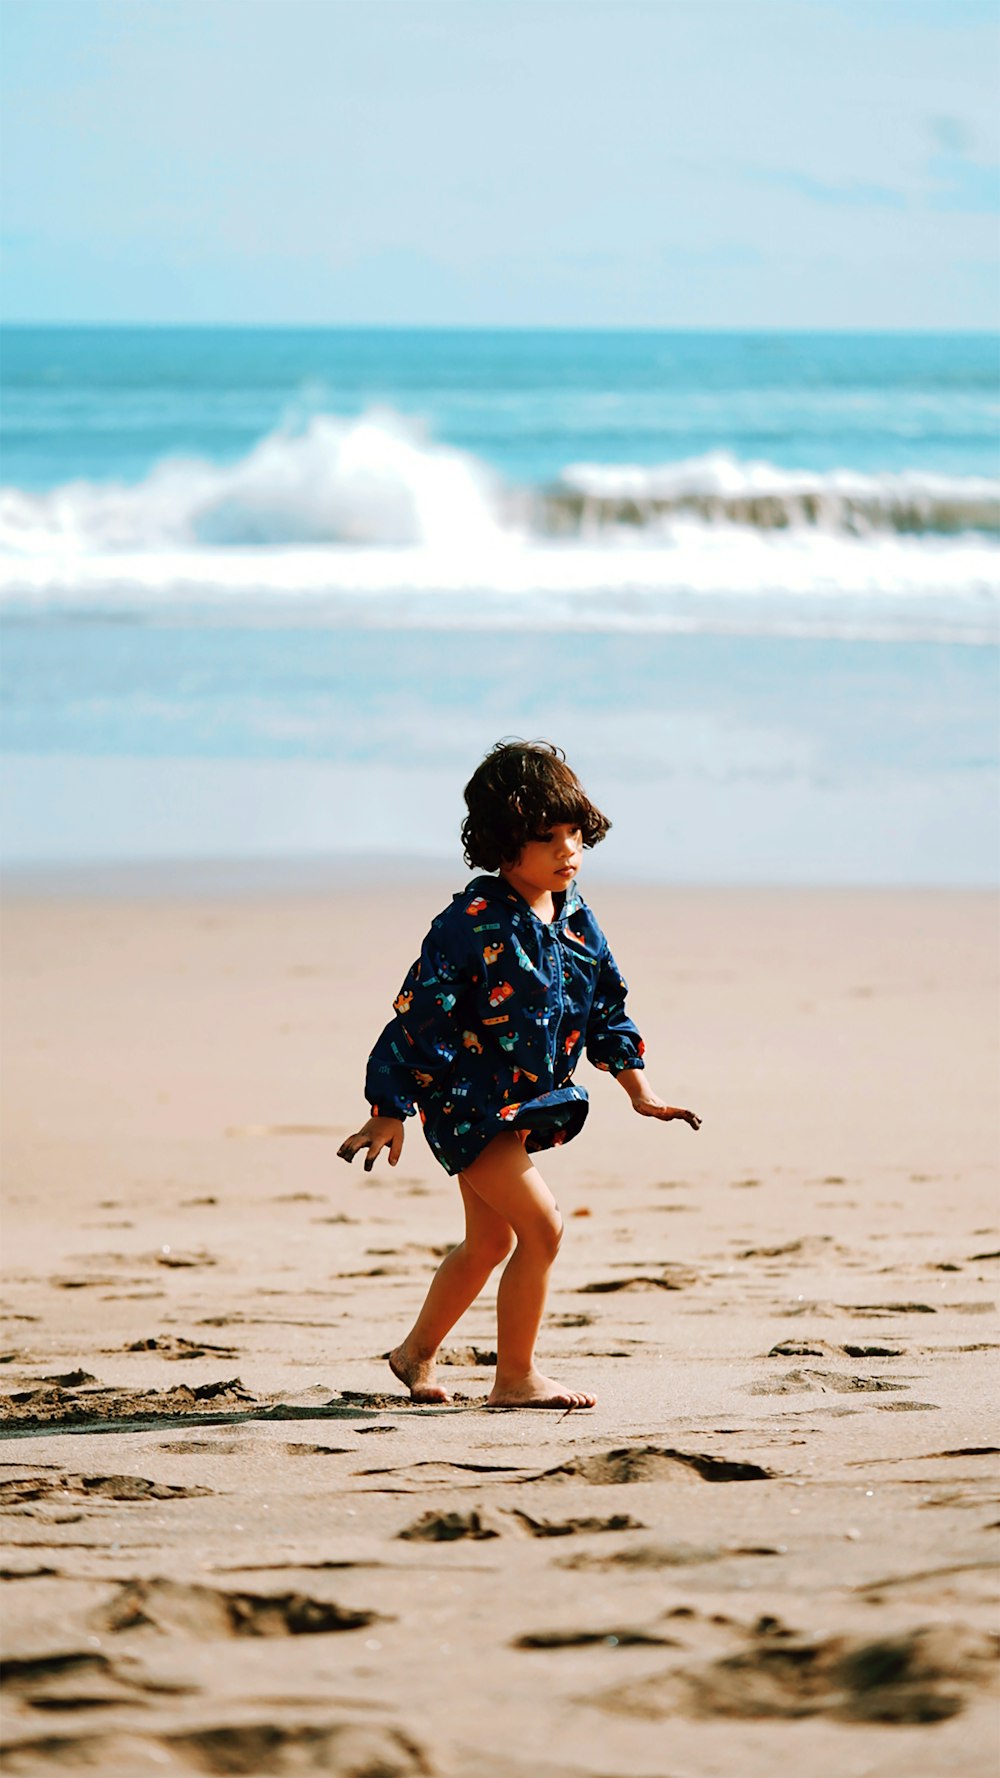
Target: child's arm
column 418, row 1048
column 646, row 1102
column 614, row 1044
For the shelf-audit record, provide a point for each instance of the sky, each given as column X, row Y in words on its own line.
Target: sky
column 577, row 163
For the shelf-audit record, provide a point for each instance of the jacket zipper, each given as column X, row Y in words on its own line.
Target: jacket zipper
column 556, row 955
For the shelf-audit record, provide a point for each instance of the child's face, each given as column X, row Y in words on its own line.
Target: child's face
column 551, row 861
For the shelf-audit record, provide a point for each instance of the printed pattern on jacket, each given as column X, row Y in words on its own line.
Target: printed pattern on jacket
column 492, row 1020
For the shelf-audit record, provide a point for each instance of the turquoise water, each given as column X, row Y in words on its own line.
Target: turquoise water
column 111, row 403
column 273, row 593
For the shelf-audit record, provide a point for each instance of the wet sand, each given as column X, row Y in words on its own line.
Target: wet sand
column 231, row 1545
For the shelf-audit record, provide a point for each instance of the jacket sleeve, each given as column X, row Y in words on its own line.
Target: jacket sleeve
column 419, row 1046
column 612, row 1041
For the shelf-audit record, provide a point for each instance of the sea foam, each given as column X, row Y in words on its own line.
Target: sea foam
column 373, row 480
column 354, row 513
column 380, row 480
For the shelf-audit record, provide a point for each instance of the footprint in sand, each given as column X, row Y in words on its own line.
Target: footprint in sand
column 621, row 1636
column 192, row 1447
column 670, row 1278
column 430, row 1470
column 52, row 1405
column 918, row 1676
column 908, row 1407
column 823, row 1349
column 84, row 1680
column 665, row 1555
column 263, row 1746
column 177, row 1349
column 207, row 1612
column 806, row 1246
column 807, row 1379
column 16, row 1489
column 654, row 1463
column 888, row 1308
column 324, row 1450
column 576, row 1527
column 61, row 1379
column 641, row 1463
column 961, row 1451
column 447, row 1527
column 175, row 1259
column 438, row 1527
column 360, row 1748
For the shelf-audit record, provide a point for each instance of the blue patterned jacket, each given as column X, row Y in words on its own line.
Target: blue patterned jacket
column 492, row 1019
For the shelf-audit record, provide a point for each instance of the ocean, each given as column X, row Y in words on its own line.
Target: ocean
column 269, row 595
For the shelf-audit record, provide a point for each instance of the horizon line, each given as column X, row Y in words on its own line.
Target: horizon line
column 764, row 329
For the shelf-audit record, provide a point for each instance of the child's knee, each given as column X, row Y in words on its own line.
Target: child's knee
column 495, row 1246
column 545, row 1233
column 557, row 1232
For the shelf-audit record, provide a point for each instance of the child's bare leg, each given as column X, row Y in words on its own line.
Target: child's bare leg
column 505, row 1178
column 456, row 1283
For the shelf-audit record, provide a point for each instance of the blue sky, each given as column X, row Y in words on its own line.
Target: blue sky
column 725, row 163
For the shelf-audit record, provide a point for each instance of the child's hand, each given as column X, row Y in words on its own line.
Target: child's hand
column 651, row 1106
column 646, row 1103
column 376, row 1134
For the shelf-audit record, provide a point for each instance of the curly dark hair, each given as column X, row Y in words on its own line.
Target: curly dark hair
column 521, row 789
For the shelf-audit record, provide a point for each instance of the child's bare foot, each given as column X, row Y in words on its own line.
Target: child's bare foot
column 536, row 1391
column 419, row 1375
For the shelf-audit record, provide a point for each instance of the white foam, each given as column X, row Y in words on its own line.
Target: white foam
column 369, row 520
column 373, row 480
column 707, row 580
column 720, row 473
column 378, row 481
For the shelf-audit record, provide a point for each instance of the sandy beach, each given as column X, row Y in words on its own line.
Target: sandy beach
column 232, row 1546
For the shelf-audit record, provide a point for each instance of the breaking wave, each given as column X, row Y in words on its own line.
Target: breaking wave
column 374, row 480
column 377, row 520
column 719, row 489
column 378, row 480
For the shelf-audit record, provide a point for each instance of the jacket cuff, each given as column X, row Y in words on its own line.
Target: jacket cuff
column 392, row 1108
column 623, row 1060
column 625, row 1055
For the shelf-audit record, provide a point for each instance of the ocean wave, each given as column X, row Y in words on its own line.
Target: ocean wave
column 374, row 480
column 379, row 481
column 720, row 489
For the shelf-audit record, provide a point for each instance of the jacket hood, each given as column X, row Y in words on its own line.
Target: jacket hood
column 498, row 890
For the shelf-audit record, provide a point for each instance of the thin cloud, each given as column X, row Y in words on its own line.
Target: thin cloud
column 848, row 193
column 951, row 135
column 963, row 186
column 962, row 180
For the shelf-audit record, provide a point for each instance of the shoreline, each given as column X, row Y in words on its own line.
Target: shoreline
column 190, row 879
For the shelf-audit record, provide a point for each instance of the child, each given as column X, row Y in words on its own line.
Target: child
column 515, row 980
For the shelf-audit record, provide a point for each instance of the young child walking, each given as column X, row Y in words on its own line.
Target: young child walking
column 513, row 984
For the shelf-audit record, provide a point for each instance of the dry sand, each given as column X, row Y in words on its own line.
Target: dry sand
column 232, row 1546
